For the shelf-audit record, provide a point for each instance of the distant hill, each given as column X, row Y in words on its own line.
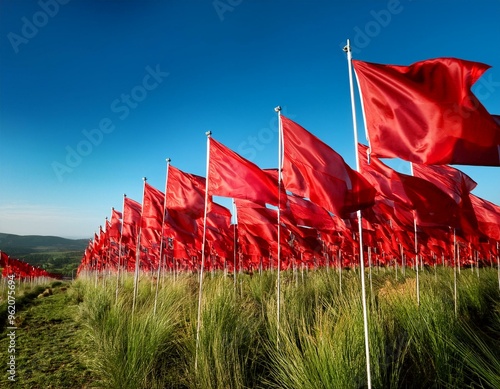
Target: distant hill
column 52, row 253
column 20, row 245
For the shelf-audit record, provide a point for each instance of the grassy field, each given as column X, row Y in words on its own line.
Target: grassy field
column 83, row 336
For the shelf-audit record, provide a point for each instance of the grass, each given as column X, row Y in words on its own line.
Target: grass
column 320, row 343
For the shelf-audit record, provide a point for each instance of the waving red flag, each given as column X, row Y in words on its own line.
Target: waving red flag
column 432, row 205
column 185, row 192
column 115, row 225
column 450, row 180
column 488, row 217
column 131, row 221
column 426, row 112
column 312, row 169
column 152, row 216
column 231, row 175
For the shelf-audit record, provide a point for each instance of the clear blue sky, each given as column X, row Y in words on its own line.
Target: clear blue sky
column 144, row 80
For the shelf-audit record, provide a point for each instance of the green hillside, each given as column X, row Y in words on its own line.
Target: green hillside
column 52, row 253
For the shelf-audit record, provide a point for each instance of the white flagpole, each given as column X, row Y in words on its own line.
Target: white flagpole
column 416, row 247
column 120, row 252
column 235, row 215
column 138, row 250
column 160, row 262
column 347, row 49
column 278, row 280
column 198, row 322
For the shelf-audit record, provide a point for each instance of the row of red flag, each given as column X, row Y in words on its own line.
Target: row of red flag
column 424, row 113
column 22, row 270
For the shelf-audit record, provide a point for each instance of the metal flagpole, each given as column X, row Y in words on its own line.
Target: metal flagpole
column 278, row 279
column 198, row 323
column 120, row 252
column 160, row 262
column 234, row 243
column 138, row 250
column 416, row 248
column 455, row 271
column 347, row 49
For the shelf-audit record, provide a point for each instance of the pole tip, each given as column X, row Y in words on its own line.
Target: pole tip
column 168, row 160
column 208, row 133
column 144, row 179
column 277, row 109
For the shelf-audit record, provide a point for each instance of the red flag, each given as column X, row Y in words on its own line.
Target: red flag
column 185, row 192
column 450, row 180
column 433, row 206
column 426, row 112
column 231, row 175
column 455, row 184
column 152, row 216
column 312, row 169
column 115, row 226
column 488, row 217
column 131, row 221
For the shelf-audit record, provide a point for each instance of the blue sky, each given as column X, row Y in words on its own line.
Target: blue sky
column 95, row 94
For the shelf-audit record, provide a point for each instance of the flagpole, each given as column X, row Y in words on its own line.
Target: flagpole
column 161, row 239
column 416, row 246
column 138, row 249
column 347, row 49
column 234, row 243
column 120, row 252
column 455, row 271
column 198, row 321
column 278, row 280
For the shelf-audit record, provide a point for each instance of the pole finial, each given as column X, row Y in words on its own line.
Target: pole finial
column 144, row 179
column 208, row 133
column 124, row 195
column 168, row 160
column 347, row 47
column 277, row 109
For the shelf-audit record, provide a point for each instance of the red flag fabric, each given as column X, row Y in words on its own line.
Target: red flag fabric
column 314, row 170
column 185, row 192
column 231, row 175
column 426, row 112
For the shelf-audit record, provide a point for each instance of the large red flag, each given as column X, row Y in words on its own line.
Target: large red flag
column 426, row 112
column 312, row 169
column 185, row 192
column 231, row 175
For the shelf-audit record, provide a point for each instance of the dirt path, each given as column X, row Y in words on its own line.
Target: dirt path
column 48, row 344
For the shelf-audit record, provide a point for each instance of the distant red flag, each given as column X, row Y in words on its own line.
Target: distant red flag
column 426, row 112
column 314, row 170
column 185, row 192
column 231, row 175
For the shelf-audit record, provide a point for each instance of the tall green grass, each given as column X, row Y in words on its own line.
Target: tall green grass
column 320, row 342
